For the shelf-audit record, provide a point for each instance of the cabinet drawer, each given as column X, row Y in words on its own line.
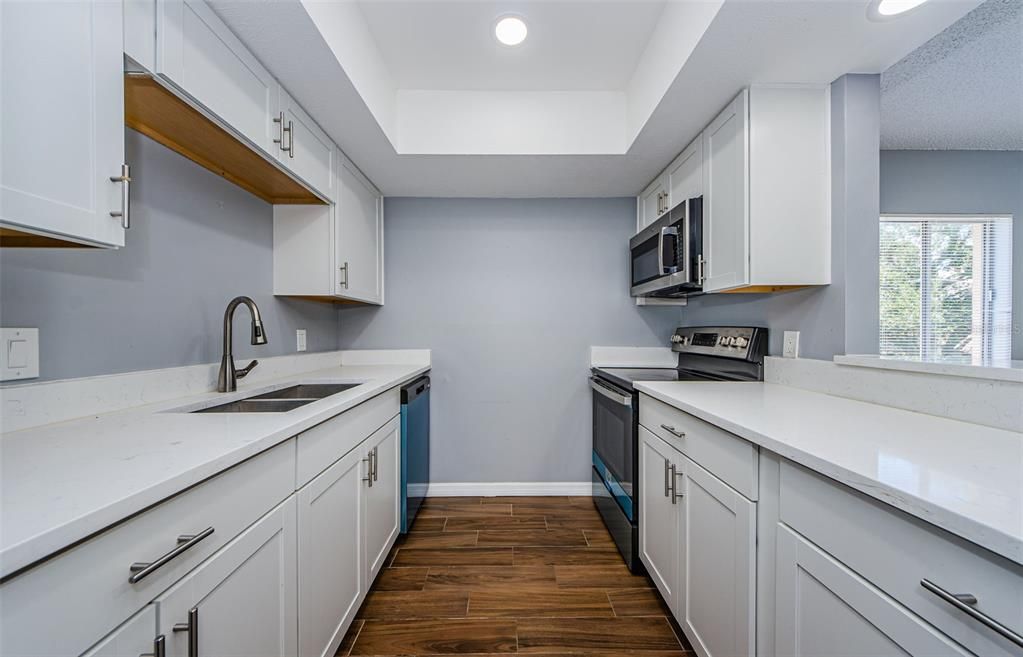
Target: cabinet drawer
column 728, row 457
column 325, row 443
column 87, row 587
column 896, row 552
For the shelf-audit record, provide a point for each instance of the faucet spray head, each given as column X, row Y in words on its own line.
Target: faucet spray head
column 258, row 332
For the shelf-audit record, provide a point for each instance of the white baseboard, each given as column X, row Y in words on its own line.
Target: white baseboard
column 522, row 489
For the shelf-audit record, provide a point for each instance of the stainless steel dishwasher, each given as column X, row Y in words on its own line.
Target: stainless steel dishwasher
column 415, row 448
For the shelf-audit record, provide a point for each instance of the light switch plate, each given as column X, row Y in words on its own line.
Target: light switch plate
column 300, row 339
column 790, row 347
column 19, row 354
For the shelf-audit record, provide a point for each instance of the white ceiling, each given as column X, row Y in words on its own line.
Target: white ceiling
column 571, row 45
column 963, row 89
column 450, row 142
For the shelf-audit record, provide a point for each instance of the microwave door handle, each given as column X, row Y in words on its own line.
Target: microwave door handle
column 660, row 251
column 667, row 231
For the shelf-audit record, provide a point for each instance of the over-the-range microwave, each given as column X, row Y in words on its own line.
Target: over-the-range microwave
column 667, row 255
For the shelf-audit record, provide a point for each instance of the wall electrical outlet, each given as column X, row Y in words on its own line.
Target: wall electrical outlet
column 300, row 339
column 790, row 347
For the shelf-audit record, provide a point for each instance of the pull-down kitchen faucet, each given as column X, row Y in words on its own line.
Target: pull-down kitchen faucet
column 227, row 381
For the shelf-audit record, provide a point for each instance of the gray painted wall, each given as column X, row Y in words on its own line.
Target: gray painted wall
column 509, row 295
column 961, row 182
column 196, row 241
column 841, row 317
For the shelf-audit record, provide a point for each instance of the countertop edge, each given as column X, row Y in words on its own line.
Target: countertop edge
column 40, row 547
column 962, row 526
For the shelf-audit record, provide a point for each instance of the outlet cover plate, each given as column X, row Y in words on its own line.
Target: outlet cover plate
column 790, row 346
column 300, row 343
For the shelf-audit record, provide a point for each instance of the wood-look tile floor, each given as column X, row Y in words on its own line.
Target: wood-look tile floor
column 510, row 575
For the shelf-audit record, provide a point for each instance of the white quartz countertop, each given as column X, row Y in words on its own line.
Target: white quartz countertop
column 962, row 477
column 60, row 483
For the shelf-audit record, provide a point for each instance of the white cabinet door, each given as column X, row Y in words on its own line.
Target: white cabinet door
column 203, row 58
column 823, row 609
column 726, row 197
column 62, row 119
column 242, row 600
column 659, row 539
column 136, row 636
column 305, row 149
column 331, row 575
column 359, row 238
column 685, row 175
column 653, row 202
column 382, row 508
column 718, row 568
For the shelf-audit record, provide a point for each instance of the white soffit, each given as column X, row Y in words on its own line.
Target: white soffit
column 521, row 142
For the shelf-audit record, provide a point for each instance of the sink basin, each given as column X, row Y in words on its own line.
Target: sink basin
column 281, row 401
column 307, row 391
column 257, row 406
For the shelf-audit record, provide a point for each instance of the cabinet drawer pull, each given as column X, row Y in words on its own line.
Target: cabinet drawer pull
column 673, row 431
column 192, row 627
column 144, row 569
column 964, row 602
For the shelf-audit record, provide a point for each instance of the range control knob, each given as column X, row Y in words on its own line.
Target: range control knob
column 723, row 341
column 741, row 342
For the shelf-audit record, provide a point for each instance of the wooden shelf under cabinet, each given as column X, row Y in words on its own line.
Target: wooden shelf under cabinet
column 157, row 112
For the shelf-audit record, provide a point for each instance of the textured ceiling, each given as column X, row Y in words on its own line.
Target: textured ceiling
column 963, row 89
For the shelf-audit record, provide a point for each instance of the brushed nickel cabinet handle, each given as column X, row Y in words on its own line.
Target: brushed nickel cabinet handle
column 674, row 491
column 192, row 627
column 667, row 486
column 674, row 483
column 673, row 431
column 159, row 648
column 369, row 468
column 344, row 283
column 279, row 120
column 143, row 569
column 376, row 463
column 964, row 602
column 125, row 180
column 291, row 139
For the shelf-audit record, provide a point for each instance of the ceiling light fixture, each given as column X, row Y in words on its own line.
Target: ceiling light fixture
column 510, row 30
column 884, row 9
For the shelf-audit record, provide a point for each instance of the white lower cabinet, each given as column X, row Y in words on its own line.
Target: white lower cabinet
column 241, row 601
column 347, row 522
column 137, row 636
column 382, row 507
column 718, row 567
column 659, row 537
column 330, row 555
column 823, row 609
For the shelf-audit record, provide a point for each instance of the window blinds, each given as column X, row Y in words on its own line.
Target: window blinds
column 946, row 288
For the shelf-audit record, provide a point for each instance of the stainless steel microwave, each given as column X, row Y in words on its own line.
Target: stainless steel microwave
column 667, row 255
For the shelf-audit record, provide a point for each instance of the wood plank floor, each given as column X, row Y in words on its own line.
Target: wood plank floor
column 510, row 575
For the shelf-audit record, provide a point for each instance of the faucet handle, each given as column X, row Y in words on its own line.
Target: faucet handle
column 245, row 370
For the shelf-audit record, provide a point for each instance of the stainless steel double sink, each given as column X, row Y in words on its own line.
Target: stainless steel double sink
column 280, row 401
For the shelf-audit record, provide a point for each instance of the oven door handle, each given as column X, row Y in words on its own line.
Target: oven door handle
column 624, row 400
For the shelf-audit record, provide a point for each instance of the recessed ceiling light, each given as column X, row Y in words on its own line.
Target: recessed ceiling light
column 510, row 30
column 882, row 9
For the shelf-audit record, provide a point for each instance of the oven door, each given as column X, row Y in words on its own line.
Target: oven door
column 614, row 441
column 658, row 255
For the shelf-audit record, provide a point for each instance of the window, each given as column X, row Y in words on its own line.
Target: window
column 946, row 288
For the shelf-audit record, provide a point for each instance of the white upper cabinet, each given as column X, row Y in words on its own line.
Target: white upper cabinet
column 725, row 204
column 763, row 167
column 242, row 600
column 685, row 174
column 653, row 202
column 359, row 238
column 204, row 59
column 303, row 147
column 62, row 121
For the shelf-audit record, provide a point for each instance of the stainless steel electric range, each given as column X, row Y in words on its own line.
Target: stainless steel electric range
column 715, row 353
